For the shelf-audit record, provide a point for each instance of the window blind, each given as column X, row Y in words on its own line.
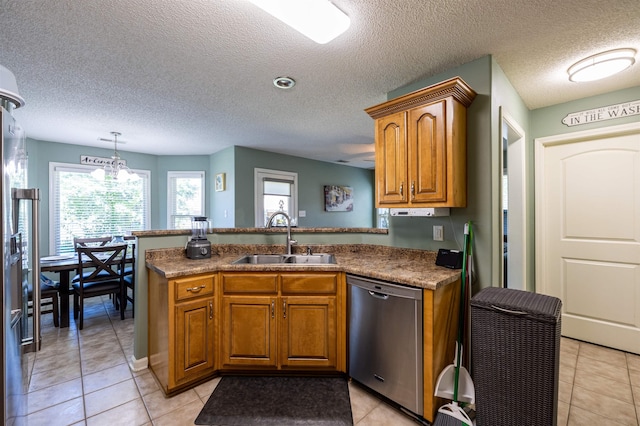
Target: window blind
column 85, row 206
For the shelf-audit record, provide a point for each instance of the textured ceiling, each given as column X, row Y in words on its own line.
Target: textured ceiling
column 195, row 76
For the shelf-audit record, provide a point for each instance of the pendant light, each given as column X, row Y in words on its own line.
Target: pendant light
column 117, row 167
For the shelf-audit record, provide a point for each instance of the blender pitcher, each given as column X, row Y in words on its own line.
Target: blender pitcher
column 198, row 246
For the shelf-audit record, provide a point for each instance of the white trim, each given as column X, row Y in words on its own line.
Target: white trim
column 520, row 139
column 170, row 201
column 136, row 365
column 258, row 176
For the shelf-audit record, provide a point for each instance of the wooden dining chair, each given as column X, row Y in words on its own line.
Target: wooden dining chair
column 90, row 242
column 101, row 272
column 48, row 297
column 130, row 272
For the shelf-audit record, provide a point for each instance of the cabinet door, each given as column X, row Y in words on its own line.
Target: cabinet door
column 427, row 153
column 249, row 331
column 308, row 332
column 391, row 160
column 194, row 339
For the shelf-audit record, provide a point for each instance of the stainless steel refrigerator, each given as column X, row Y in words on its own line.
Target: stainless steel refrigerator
column 20, row 254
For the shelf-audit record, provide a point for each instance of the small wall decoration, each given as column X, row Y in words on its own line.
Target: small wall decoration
column 338, row 198
column 221, row 183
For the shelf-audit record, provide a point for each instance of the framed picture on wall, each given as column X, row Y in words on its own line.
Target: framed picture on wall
column 220, row 182
column 338, row 198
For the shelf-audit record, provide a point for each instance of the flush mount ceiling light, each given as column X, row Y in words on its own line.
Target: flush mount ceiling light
column 284, row 82
column 319, row 20
column 602, row 65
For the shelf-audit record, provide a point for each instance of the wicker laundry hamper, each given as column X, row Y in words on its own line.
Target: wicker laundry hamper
column 515, row 343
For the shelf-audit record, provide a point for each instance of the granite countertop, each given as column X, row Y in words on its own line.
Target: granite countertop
column 411, row 267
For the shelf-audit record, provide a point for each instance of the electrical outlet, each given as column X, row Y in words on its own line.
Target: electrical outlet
column 438, row 233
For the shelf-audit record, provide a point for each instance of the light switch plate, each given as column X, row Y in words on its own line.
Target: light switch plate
column 438, row 233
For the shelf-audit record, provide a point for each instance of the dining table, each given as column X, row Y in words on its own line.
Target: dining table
column 64, row 265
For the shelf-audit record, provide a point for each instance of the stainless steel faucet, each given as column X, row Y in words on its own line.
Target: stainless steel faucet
column 290, row 242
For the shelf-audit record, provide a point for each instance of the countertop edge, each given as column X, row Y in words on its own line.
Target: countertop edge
column 301, row 230
column 410, row 267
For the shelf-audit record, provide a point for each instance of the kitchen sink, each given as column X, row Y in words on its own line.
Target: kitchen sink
column 316, row 259
column 258, row 259
column 286, row 259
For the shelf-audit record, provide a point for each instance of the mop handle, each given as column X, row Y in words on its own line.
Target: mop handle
column 461, row 314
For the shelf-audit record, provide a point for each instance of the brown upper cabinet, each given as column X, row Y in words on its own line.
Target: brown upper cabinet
column 421, row 147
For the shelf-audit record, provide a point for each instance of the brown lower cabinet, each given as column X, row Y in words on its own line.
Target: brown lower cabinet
column 182, row 329
column 282, row 321
column 222, row 322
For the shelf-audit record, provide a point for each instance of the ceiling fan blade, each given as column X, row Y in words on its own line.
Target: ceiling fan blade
column 112, row 141
column 357, row 148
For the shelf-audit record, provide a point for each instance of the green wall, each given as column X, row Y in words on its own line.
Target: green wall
column 222, row 208
column 312, row 176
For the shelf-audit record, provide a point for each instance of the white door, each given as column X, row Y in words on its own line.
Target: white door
column 588, row 232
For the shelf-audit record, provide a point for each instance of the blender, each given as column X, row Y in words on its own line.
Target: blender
column 198, row 247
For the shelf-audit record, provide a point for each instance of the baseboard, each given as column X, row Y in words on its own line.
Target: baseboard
column 138, row 364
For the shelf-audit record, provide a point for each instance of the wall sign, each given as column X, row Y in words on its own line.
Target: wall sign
column 610, row 112
column 100, row 161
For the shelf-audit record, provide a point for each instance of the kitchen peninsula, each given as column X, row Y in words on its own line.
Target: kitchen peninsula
column 210, row 316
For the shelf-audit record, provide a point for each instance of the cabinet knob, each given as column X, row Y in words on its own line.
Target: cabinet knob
column 196, row 289
column 210, row 310
column 413, row 190
column 273, row 309
column 284, row 309
column 401, row 188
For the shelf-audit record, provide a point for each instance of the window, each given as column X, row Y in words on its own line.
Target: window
column 82, row 205
column 185, row 198
column 274, row 191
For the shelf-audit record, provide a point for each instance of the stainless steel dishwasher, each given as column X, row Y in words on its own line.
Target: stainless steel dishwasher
column 385, row 340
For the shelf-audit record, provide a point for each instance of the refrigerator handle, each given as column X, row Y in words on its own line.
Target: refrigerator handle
column 33, row 195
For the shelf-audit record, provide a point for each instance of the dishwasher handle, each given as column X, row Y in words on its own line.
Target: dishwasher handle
column 378, row 295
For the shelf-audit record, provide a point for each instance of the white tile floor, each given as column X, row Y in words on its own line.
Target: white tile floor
column 82, row 378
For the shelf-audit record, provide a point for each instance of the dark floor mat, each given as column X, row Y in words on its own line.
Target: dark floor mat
column 245, row 400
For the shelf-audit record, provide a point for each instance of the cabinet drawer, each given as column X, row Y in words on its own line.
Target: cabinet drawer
column 309, row 284
column 250, row 283
column 197, row 286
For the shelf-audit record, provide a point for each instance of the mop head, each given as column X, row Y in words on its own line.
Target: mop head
column 452, row 415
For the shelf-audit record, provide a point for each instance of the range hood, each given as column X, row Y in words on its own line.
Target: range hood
column 424, row 212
